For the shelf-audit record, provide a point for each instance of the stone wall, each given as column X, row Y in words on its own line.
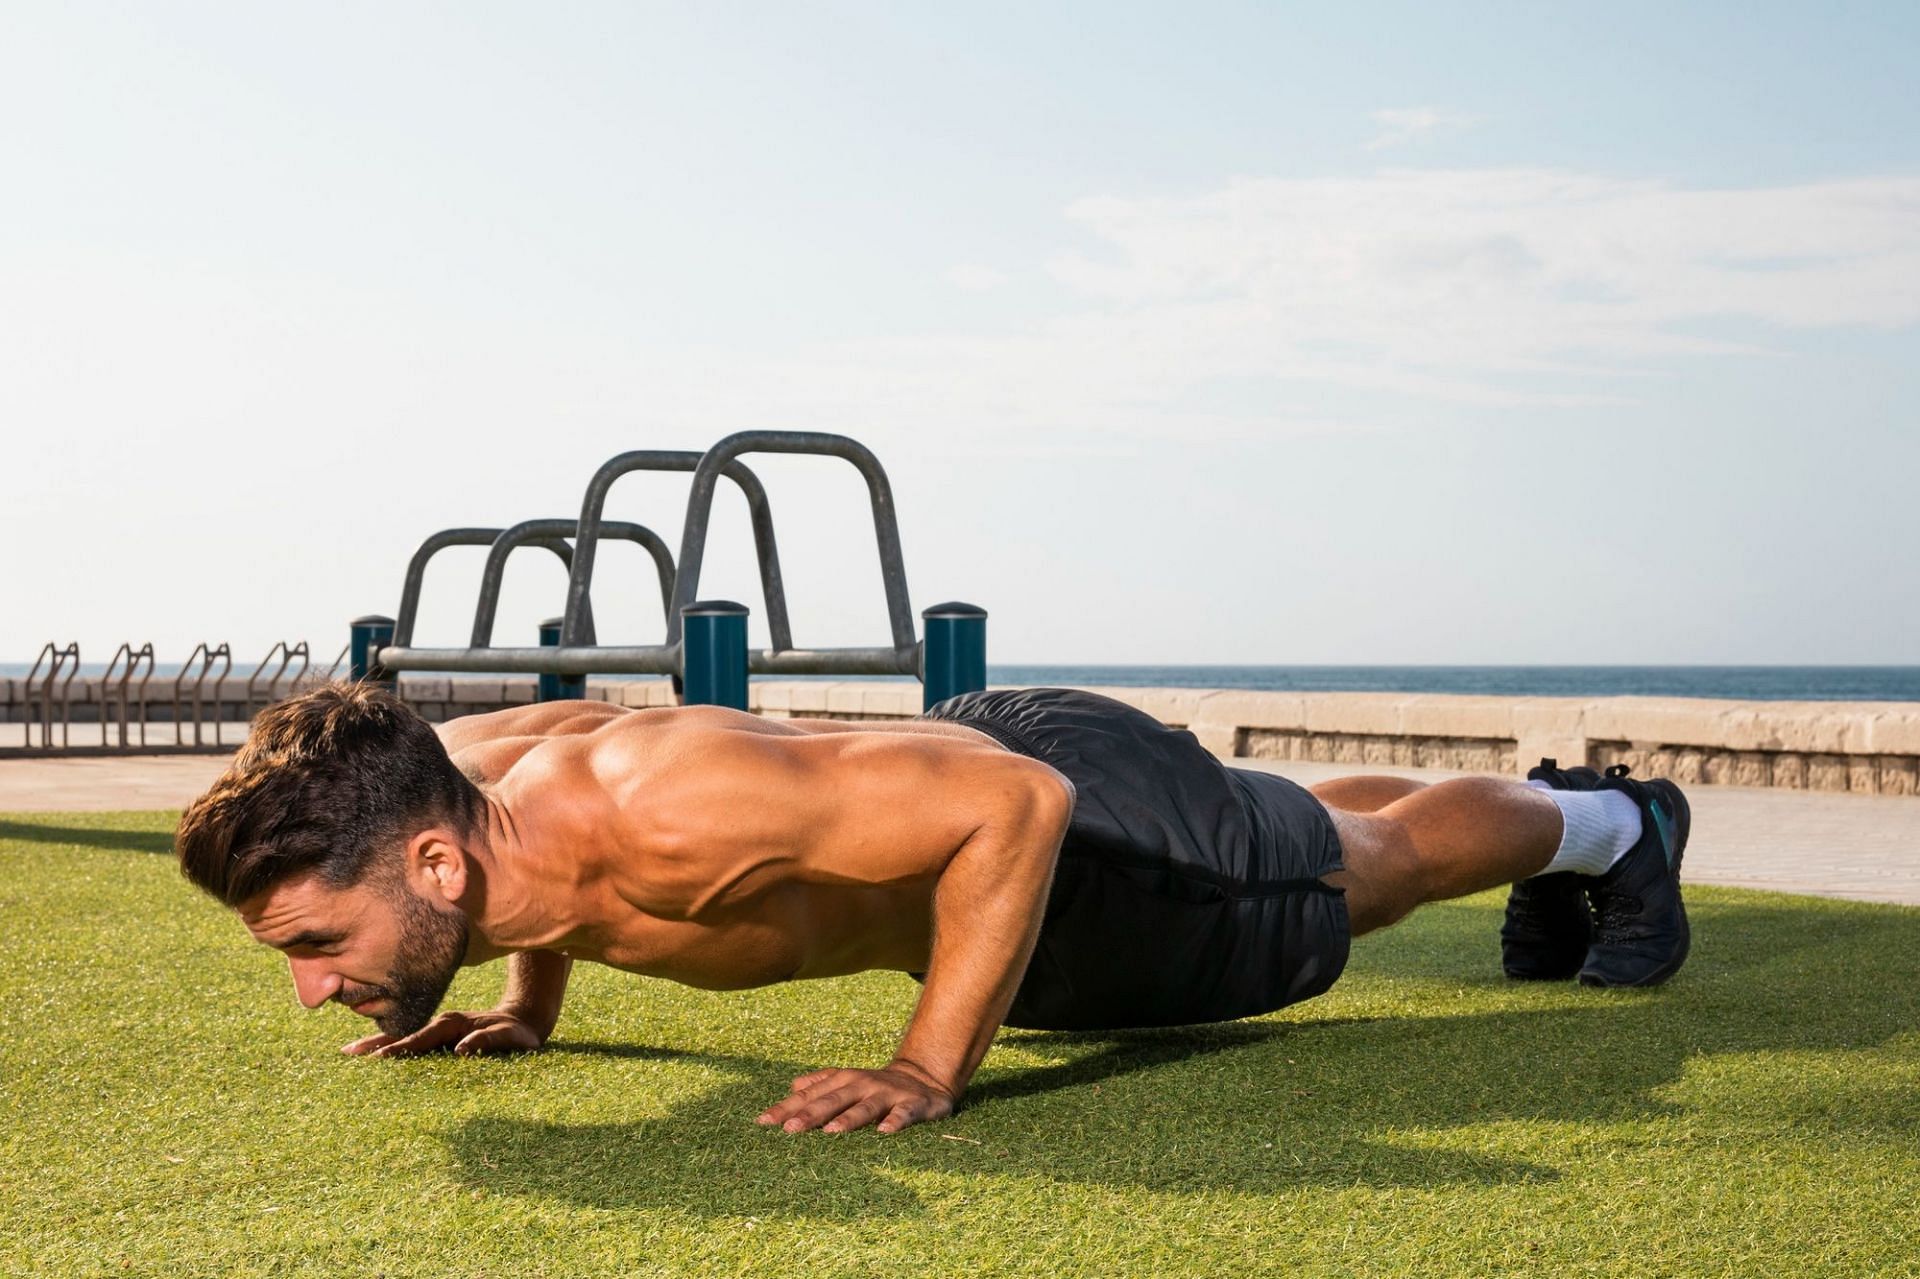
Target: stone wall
column 1859, row 747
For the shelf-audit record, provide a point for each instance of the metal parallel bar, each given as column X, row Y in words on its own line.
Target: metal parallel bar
column 653, row 659
column 693, row 538
column 417, row 572
column 835, row 661
column 587, row 535
column 548, row 535
column 551, row 533
column 334, row 669
column 655, row 546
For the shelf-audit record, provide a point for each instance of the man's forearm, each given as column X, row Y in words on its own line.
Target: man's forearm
column 536, row 986
column 986, row 918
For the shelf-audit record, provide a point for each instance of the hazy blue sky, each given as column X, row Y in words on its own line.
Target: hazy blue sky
column 1188, row 333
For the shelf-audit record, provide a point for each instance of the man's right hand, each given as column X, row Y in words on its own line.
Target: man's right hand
column 496, row 1031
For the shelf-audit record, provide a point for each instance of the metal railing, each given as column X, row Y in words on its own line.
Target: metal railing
column 198, row 699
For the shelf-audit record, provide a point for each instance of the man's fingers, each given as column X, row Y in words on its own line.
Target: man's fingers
column 799, row 1097
column 497, row 1039
column 366, row 1045
column 821, row 1107
column 858, row 1115
column 442, row 1030
column 802, row 1111
column 904, row 1115
column 844, row 1100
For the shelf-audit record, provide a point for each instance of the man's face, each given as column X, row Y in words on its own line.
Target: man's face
column 378, row 947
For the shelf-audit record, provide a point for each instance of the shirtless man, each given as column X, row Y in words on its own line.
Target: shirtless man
column 1036, row 857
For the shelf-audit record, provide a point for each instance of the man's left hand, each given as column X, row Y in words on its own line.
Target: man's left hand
column 843, row 1100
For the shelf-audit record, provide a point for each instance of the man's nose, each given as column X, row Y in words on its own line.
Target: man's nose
column 313, row 981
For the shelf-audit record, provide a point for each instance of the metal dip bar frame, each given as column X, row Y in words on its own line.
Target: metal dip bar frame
column 950, row 661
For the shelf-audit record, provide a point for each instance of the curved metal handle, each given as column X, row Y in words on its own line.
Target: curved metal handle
column 719, row 460
column 285, row 655
column 588, row 532
column 550, row 533
column 417, row 571
column 111, row 692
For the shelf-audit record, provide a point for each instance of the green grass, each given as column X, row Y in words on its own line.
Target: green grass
column 170, row 1110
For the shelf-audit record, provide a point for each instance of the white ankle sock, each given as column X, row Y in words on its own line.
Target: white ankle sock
column 1599, row 826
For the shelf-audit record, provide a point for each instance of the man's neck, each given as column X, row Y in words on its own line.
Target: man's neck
column 512, row 913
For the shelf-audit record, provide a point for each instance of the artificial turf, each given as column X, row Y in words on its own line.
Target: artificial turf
column 171, row 1110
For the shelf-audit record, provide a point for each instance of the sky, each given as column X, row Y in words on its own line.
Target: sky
column 1196, row 333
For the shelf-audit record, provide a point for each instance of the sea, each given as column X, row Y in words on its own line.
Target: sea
column 1741, row 683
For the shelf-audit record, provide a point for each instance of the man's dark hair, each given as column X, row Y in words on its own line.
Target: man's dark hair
column 328, row 782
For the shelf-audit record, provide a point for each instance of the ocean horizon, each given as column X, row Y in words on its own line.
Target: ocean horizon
column 1738, row 683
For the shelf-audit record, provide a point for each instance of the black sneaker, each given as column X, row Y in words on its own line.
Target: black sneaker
column 1549, row 925
column 1641, row 935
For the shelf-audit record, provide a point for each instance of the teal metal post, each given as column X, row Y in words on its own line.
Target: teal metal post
column 557, row 688
column 370, row 634
column 713, row 653
column 953, row 657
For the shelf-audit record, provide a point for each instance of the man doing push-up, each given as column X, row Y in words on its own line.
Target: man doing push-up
column 1041, row 858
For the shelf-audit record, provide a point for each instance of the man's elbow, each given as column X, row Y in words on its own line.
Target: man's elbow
column 1047, row 799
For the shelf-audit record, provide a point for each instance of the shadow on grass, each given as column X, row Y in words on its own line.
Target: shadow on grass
column 692, row 1161
column 132, row 841
column 1261, row 1107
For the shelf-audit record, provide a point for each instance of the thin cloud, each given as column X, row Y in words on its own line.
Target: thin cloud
column 971, row 277
column 1217, row 315
column 1401, row 125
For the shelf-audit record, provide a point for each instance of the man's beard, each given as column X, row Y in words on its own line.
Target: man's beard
column 432, row 945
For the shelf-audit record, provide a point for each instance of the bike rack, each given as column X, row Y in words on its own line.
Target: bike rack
column 119, row 689
column 205, row 654
column 126, row 703
column 57, row 658
column 287, row 652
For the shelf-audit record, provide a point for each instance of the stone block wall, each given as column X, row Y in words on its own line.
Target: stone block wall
column 1870, row 748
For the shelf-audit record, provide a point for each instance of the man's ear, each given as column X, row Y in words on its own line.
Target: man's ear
column 438, row 864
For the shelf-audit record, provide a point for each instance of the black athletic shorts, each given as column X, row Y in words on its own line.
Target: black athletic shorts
column 1186, row 892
